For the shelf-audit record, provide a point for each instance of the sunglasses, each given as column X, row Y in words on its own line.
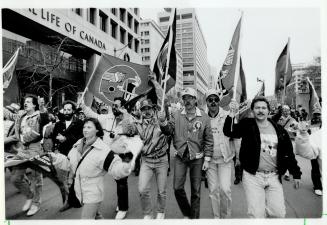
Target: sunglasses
column 211, row 100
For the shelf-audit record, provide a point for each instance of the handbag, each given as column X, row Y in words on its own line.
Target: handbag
column 73, row 201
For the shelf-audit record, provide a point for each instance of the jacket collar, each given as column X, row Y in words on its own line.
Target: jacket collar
column 197, row 112
column 221, row 114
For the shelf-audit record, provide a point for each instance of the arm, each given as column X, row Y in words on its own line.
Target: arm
column 9, row 115
column 114, row 165
column 291, row 163
column 208, row 141
column 234, row 132
column 306, row 145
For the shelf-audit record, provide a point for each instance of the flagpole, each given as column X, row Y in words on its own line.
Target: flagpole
column 286, row 68
column 168, row 60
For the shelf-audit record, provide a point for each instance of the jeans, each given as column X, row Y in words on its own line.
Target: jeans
column 122, row 194
column 21, row 182
column 89, row 210
column 190, row 210
column 220, row 193
column 158, row 168
column 315, row 175
column 264, row 195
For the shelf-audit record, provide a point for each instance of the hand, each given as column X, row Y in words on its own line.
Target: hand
column 303, row 127
column 205, row 165
column 296, row 183
column 152, row 76
column 162, row 116
column 237, row 163
column 233, row 107
column 80, row 102
column 61, row 138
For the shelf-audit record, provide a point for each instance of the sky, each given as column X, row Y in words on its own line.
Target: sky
column 264, row 33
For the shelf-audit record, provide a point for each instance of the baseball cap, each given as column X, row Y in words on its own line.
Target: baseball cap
column 146, row 103
column 189, row 91
column 212, row 92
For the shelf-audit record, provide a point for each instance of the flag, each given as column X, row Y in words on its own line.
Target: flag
column 314, row 105
column 241, row 95
column 168, row 46
column 228, row 70
column 114, row 77
column 261, row 91
column 283, row 63
column 10, row 83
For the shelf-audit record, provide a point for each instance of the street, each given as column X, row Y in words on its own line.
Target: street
column 301, row 203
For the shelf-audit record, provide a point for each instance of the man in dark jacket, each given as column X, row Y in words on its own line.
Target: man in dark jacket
column 68, row 131
column 265, row 155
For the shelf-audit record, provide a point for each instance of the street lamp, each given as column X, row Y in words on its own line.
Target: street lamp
column 125, row 46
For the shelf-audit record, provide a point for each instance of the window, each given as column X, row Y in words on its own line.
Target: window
column 146, row 33
column 103, row 21
column 122, row 35
column 92, row 15
column 114, row 27
column 78, row 11
column 130, row 41
column 187, row 25
column 122, row 14
column 136, row 11
column 147, row 50
column 136, row 26
column 146, row 41
column 114, row 11
column 187, row 16
column 188, row 82
column 164, row 19
column 129, row 20
column 136, row 45
column 145, row 58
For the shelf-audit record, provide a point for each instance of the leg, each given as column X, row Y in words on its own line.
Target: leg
column 161, row 178
column 224, row 176
column 212, row 176
column 195, row 178
column 145, row 176
column 315, row 175
column 89, row 210
column 275, row 198
column 255, row 195
column 179, row 181
column 20, row 181
column 38, row 184
column 122, row 194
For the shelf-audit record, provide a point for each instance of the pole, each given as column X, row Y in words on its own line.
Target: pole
column 170, row 42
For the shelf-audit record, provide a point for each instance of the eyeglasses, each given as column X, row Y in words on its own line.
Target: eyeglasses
column 211, row 100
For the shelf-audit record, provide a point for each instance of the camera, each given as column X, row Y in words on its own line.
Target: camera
column 112, row 134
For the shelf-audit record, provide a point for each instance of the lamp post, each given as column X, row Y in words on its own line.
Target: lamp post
column 125, row 46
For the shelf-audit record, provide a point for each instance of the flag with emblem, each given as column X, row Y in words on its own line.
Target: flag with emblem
column 166, row 54
column 283, row 70
column 114, row 77
column 261, row 92
column 314, row 104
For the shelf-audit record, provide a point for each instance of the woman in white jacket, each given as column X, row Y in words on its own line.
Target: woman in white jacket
column 89, row 176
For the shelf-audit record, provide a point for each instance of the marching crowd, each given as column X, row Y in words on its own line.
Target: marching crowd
column 261, row 147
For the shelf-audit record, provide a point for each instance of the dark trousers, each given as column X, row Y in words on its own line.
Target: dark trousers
column 122, row 194
column 238, row 170
column 315, row 175
column 190, row 210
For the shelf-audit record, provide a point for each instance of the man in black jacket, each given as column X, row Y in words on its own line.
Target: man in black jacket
column 265, row 155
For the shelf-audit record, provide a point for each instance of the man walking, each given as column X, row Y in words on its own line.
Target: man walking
column 220, row 166
column 193, row 142
column 265, row 155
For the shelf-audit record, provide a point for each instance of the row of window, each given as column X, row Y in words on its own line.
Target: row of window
column 145, row 33
column 145, row 50
column 178, row 17
column 145, row 58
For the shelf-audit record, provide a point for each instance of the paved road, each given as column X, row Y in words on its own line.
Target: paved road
column 302, row 203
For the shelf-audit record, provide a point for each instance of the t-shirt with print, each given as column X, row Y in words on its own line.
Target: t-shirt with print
column 268, row 151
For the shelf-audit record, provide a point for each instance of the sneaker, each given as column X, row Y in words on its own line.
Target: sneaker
column 34, row 209
column 120, row 215
column 65, row 207
column 186, row 217
column 117, row 209
column 147, row 217
column 237, row 181
column 98, row 216
column 287, row 178
column 318, row 192
column 160, row 216
column 27, row 205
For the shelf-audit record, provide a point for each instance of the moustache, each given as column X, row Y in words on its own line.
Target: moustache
column 260, row 114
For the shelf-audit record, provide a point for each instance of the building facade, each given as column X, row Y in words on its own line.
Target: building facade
column 191, row 44
column 84, row 33
column 151, row 42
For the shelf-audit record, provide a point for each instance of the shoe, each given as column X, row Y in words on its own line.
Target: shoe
column 237, row 181
column 34, row 209
column 27, row 205
column 147, row 217
column 287, row 178
column 318, row 192
column 117, row 209
column 65, row 207
column 120, row 215
column 160, row 216
column 98, row 216
column 186, row 217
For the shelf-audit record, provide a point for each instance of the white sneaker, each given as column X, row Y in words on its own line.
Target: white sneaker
column 117, row 209
column 34, row 209
column 27, row 205
column 160, row 216
column 318, row 192
column 186, row 217
column 120, row 215
column 147, row 217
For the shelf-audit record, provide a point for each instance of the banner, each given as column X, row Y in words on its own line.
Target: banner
column 241, row 95
column 314, row 104
column 114, row 77
column 283, row 70
column 160, row 64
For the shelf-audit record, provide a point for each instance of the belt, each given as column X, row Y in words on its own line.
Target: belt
column 157, row 156
column 266, row 171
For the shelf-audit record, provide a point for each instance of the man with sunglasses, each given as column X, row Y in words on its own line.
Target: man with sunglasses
column 193, row 141
column 220, row 166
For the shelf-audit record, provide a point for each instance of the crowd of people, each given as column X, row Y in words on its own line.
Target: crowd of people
column 262, row 149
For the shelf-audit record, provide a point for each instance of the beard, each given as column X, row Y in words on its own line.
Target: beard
column 68, row 116
column 116, row 112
